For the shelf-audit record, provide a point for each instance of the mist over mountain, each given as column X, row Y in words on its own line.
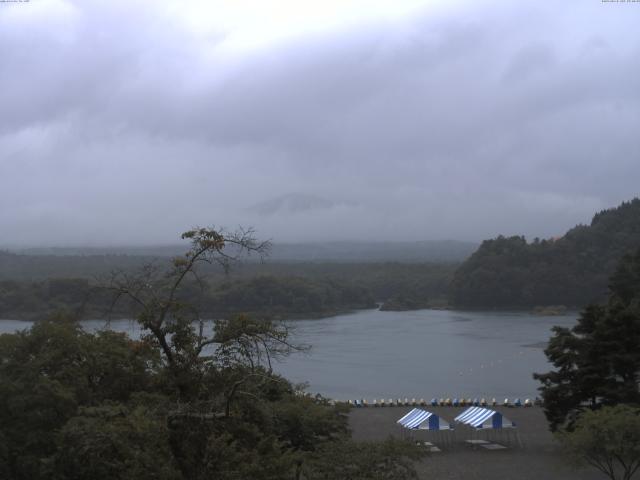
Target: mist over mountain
column 438, row 251
column 425, row 251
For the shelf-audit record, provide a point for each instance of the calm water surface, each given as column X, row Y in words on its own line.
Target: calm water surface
column 426, row 353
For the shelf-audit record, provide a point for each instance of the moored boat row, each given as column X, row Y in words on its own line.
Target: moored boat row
column 444, row 402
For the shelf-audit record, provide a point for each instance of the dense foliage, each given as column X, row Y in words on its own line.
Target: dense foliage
column 272, row 289
column 42, row 263
column 22, row 267
column 597, row 362
column 79, row 405
column 572, row 270
column 607, row 439
column 28, row 300
column 288, row 296
column 284, row 297
column 187, row 401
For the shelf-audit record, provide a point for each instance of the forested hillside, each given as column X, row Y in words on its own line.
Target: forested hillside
column 299, row 290
column 281, row 297
column 572, row 270
column 19, row 267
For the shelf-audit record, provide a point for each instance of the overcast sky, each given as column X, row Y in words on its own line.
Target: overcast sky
column 127, row 122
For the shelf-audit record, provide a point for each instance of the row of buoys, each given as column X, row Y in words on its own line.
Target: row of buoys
column 478, row 403
column 443, row 402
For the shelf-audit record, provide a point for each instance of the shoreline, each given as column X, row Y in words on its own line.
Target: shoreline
column 301, row 316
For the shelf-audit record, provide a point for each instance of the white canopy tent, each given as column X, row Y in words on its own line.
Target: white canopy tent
column 418, row 419
column 483, row 418
column 496, row 425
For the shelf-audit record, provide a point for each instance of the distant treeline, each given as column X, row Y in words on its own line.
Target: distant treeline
column 509, row 272
column 17, row 267
column 275, row 290
column 46, row 260
column 47, row 280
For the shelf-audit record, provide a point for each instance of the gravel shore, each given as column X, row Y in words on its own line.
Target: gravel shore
column 537, row 459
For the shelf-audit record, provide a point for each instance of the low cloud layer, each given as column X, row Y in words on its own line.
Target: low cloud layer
column 123, row 123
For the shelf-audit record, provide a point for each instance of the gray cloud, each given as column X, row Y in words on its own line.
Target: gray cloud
column 121, row 125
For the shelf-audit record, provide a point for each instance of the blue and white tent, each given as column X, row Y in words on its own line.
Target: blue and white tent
column 483, row 418
column 418, row 419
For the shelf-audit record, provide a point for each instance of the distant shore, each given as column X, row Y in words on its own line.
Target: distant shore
column 294, row 316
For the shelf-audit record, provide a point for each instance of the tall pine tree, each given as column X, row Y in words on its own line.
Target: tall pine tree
column 597, row 362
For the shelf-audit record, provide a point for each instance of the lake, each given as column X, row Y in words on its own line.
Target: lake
column 422, row 354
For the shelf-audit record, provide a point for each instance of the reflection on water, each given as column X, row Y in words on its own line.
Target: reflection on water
column 427, row 353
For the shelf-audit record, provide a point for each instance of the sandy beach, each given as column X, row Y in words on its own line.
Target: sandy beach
column 537, row 459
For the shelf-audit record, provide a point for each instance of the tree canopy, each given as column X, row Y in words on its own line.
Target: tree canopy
column 188, row 400
column 572, row 270
column 597, row 362
column 607, row 439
